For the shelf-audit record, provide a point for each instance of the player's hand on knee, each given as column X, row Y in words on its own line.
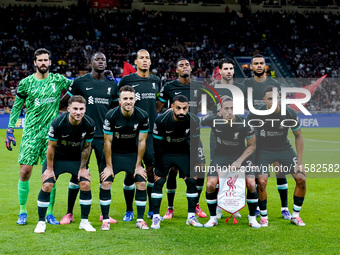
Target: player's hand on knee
column 10, row 139
column 48, row 173
column 83, row 172
column 300, row 168
column 141, row 171
column 107, row 172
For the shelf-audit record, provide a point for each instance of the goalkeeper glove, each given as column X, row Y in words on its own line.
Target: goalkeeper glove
column 109, row 75
column 10, row 138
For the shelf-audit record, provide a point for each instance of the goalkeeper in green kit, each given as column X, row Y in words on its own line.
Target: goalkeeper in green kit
column 41, row 93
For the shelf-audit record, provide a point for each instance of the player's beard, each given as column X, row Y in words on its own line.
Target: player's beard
column 258, row 74
column 179, row 116
column 227, row 79
column 185, row 76
column 43, row 71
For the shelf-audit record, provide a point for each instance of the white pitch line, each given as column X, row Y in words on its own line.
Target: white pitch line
column 321, row 141
column 322, row 150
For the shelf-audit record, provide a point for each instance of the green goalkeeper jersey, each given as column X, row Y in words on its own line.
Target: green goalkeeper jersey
column 42, row 98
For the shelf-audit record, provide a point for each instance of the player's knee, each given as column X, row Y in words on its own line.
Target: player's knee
column 47, row 187
column 211, row 185
column 261, row 184
column 301, row 182
column 85, row 186
column 251, row 186
column 141, row 185
column 25, row 172
column 106, row 185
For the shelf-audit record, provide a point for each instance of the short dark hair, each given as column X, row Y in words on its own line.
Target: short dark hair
column 76, row 98
column 257, row 56
column 225, row 61
column 41, row 51
column 127, row 88
column 180, row 59
column 141, row 51
column 181, row 98
column 97, row 52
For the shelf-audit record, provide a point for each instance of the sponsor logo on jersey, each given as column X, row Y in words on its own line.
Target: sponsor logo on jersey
column 42, row 101
column 90, row 100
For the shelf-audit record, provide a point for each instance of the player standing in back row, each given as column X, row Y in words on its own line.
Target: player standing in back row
column 259, row 83
column 101, row 95
column 41, row 93
column 192, row 90
column 147, row 86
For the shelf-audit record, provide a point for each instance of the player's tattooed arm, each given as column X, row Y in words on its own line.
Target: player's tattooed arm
column 108, row 171
column 49, row 172
column 83, row 172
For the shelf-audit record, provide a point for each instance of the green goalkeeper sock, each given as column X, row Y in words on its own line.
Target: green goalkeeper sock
column 23, row 190
column 52, row 200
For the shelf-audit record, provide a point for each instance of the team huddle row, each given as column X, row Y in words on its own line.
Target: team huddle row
column 124, row 127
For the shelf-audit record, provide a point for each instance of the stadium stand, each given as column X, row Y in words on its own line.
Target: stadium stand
column 305, row 42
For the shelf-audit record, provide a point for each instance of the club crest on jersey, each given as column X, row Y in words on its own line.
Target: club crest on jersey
column 187, row 131
column 53, row 86
column 117, row 135
column 109, row 91
column 154, row 85
column 135, row 126
column 195, row 93
column 83, row 135
column 236, row 135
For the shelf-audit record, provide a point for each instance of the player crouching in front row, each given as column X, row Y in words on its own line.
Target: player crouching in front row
column 65, row 153
column 230, row 151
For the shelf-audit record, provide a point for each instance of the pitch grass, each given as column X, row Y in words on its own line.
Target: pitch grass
column 320, row 213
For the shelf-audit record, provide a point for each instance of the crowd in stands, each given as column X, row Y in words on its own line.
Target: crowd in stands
column 308, row 43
